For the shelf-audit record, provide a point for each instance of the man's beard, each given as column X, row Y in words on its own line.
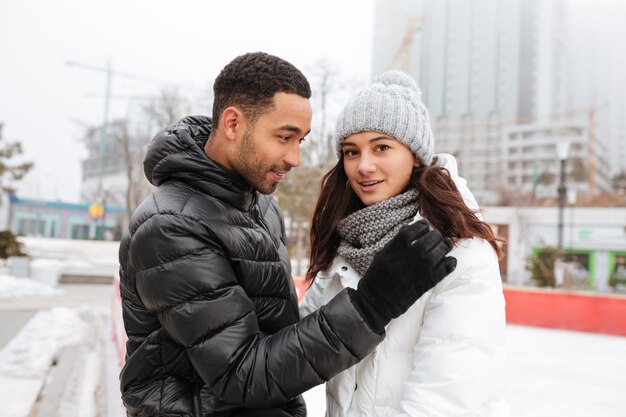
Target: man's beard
column 249, row 166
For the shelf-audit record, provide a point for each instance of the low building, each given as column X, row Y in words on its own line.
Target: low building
column 530, row 161
column 56, row 219
column 594, row 242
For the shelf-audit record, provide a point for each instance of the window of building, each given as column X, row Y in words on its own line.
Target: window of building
column 31, row 227
column 80, row 231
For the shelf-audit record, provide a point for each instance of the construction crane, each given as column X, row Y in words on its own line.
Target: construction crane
column 109, row 74
column 402, row 58
column 591, row 163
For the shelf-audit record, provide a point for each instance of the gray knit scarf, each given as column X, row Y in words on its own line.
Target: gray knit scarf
column 365, row 232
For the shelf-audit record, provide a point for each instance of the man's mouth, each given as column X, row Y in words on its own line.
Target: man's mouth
column 280, row 174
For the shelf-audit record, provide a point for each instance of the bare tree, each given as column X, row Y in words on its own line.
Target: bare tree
column 11, row 172
column 122, row 150
column 166, row 109
column 132, row 148
column 125, row 150
column 330, row 92
column 159, row 112
column 508, row 196
column 546, row 177
column 297, row 196
column 618, row 181
column 326, row 82
column 578, row 170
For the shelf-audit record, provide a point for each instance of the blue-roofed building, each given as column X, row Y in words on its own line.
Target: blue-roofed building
column 55, row 219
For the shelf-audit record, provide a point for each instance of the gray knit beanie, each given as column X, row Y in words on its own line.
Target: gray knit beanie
column 390, row 104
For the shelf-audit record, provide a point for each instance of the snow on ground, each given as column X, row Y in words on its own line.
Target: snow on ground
column 30, row 353
column 12, row 287
column 26, row 359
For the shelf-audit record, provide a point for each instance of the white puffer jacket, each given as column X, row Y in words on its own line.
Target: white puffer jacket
column 443, row 357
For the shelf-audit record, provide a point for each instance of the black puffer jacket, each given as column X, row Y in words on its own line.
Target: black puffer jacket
column 209, row 304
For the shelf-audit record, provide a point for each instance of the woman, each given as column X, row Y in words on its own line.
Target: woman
column 444, row 356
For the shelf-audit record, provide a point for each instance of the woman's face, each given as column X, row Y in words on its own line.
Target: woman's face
column 378, row 167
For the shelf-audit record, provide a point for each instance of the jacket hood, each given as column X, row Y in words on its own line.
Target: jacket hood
column 177, row 153
column 448, row 162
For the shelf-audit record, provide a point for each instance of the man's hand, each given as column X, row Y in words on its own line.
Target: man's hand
column 409, row 265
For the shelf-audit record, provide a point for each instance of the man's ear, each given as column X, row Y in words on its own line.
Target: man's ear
column 230, row 121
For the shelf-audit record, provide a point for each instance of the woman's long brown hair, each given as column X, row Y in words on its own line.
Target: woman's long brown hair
column 439, row 201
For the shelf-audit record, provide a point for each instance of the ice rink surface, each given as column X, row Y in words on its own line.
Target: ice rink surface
column 553, row 373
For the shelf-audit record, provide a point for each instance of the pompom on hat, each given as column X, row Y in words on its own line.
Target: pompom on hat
column 390, row 104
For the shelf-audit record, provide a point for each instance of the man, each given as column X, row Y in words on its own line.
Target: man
column 209, row 304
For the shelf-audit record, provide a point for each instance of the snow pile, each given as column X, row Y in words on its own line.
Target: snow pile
column 31, row 352
column 11, row 287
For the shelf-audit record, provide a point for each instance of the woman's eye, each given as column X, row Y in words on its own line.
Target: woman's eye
column 349, row 152
column 382, row 147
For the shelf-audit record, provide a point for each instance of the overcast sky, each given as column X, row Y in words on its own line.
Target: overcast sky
column 45, row 104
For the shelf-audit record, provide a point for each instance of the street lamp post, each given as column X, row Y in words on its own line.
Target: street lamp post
column 100, row 234
column 562, row 150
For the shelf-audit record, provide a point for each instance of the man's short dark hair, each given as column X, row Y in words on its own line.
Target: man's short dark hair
column 250, row 82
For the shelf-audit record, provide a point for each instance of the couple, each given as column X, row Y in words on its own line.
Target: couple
column 405, row 312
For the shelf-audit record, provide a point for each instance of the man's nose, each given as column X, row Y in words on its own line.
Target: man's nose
column 293, row 156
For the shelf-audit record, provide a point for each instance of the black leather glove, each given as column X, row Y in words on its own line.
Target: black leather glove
column 410, row 264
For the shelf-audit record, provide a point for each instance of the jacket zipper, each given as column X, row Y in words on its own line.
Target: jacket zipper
column 256, row 215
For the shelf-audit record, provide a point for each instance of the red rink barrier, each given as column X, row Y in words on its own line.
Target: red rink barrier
column 586, row 312
column 301, row 287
